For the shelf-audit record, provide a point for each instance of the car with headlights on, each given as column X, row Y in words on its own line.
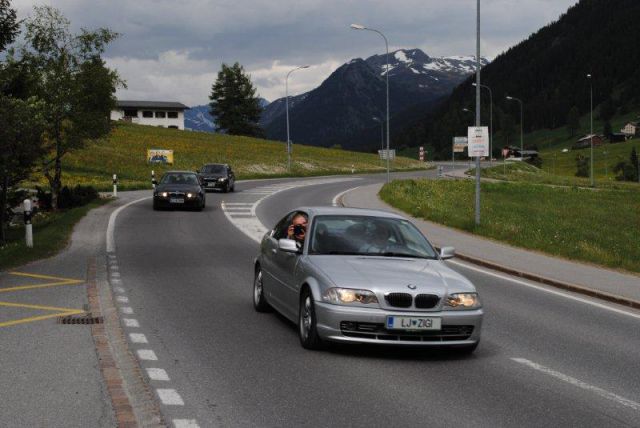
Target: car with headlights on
column 217, row 176
column 179, row 189
column 364, row 276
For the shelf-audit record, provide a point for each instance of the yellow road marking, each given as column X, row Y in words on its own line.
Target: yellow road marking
column 38, row 318
column 38, row 307
column 35, row 275
column 58, row 281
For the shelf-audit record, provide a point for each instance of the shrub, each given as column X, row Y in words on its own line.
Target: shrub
column 582, row 166
column 76, row 196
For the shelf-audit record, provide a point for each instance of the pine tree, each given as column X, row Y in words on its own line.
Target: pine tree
column 573, row 121
column 234, row 103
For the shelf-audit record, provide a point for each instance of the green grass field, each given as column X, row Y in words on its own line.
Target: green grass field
column 124, row 153
column 592, row 225
column 51, row 233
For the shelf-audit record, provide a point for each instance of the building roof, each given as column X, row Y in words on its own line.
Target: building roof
column 151, row 104
column 588, row 137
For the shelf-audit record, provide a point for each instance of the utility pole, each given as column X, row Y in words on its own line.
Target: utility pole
column 478, row 109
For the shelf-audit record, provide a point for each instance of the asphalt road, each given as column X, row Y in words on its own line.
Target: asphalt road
column 544, row 359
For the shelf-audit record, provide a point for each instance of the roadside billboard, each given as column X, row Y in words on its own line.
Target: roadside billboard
column 160, row 156
column 478, row 141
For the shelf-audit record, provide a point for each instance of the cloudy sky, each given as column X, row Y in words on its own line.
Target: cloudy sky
column 172, row 49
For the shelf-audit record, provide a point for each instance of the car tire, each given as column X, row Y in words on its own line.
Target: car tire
column 155, row 206
column 225, row 189
column 259, row 299
column 308, row 323
column 233, row 188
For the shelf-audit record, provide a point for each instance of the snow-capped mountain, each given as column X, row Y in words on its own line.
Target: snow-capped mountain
column 344, row 104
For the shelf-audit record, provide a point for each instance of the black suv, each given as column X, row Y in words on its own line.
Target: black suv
column 217, row 176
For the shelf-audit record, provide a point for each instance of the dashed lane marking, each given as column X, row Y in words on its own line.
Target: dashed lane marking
column 169, row 397
column 185, row 423
column 147, row 355
column 130, row 322
column 126, row 310
column 138, row 338
column 157, row 374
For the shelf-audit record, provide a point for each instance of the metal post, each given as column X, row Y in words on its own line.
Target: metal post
column 478, row 110
column 115, row 186
column 591, row 136
column 28, row 230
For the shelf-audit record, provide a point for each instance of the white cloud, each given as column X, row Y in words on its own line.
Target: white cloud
column 173, row 48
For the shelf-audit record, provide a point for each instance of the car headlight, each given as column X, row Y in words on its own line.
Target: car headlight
column 164, row 194
column 222, row 179
column 349, row 296
column 462, row 301
column 190, row 195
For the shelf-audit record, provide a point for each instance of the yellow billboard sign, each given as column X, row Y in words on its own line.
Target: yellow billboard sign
column 160, row 156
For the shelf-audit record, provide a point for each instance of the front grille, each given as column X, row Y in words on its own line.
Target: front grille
column 377, row 331
column 399, row 300
column 176, row 194
column 426, row 301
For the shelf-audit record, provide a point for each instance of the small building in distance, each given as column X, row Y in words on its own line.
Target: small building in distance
column 631, row 129
column 168, row 114
column 585, row 141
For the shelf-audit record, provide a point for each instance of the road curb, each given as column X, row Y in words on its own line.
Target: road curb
column 613, row 298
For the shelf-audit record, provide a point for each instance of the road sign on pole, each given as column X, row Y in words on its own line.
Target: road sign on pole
column 478, row 141
column 421, row 154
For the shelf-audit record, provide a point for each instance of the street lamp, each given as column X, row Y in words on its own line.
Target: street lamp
column 490, row 121
column 466, row 110
column 286, row 90
column 521, row 123
column 591, row 135
column 377, row 119
column 386, row 43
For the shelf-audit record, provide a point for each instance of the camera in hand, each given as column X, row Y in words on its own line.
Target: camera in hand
column 298, row 229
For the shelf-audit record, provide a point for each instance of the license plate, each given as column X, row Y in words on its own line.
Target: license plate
column 176, row 201
column 414, row 323
column 211, row 184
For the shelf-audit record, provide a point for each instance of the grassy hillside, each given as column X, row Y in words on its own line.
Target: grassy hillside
column 124, row 153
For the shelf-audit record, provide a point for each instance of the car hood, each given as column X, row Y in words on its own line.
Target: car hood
column 387, row 274
column 178, row 188
column 213, row 175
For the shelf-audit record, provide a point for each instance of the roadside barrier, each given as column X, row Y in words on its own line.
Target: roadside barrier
column 28, row 228
column 115, row 186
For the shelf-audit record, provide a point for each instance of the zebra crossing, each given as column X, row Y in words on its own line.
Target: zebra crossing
column 242, row 211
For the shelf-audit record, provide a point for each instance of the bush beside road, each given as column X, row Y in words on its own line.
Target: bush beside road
column 598, row 226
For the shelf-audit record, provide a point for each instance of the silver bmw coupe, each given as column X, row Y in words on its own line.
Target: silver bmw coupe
column 365, row 276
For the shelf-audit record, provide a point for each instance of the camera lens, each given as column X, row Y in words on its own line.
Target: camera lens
column 298, row 229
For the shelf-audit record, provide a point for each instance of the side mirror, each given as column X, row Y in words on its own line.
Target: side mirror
column 447, row 253
column 288, row 246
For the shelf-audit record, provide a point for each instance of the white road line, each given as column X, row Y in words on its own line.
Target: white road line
column 580, row 384
column 158, row 374
column 185, row 423
column 547, row 290
column 169, row 397
column 337, row 197
column 126, row 310
column 147, row 355
column 113, row 267
column 115, row 274
column 111, row 245
column 138, row 338
column 122, row 299
column 119, row 290
column 116, row 281
column 130, row 322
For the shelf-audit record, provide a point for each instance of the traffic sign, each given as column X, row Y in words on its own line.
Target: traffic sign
column 478, row 141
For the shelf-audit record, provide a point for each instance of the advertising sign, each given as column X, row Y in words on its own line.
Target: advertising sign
column 478, row 141
column 160, row 156
column 459, row 144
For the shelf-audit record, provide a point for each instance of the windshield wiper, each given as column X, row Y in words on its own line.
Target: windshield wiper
column 411, row 256
column 344, row 253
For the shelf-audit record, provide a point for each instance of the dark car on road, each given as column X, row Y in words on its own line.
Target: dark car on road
column 179, row 189
column 217, row 176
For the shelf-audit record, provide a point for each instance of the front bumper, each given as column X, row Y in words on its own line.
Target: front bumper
column 161, row 202
column 367, row 325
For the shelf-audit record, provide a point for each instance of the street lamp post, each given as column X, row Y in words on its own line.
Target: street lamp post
column 466, row 110
column 286, row 90
column 521, row 123
column 478, row 109
column 490, row 122
column 591, row 134
column 386, row 43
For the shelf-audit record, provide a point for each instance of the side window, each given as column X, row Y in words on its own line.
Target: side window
column 280, row 231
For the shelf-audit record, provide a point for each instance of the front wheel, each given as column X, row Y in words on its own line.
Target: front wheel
column 259, row 300
column 307, row 322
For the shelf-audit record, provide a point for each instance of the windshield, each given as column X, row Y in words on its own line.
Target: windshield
column 368, row 236
column 179, row 178
column 213, row 169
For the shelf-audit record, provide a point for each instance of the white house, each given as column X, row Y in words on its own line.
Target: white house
column 631, row 129
column 167, row 114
